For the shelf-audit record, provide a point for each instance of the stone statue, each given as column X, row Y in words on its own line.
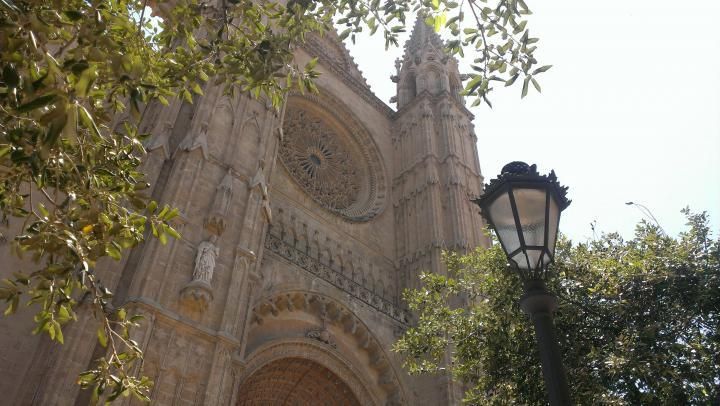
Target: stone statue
column 207, row 254
column 259, row 181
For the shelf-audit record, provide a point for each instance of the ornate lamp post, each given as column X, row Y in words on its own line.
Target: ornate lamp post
column 523, row 207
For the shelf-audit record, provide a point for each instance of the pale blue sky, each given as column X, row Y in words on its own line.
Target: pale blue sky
column 630, row 110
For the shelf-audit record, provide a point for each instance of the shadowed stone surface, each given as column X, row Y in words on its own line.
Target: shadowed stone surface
column 295, row 381
column 300, row 230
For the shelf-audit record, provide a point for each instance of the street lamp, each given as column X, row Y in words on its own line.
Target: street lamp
column 523, row 207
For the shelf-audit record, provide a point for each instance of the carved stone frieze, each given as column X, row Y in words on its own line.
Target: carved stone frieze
column 279, row 247
column 322, row 335
column 346, row 328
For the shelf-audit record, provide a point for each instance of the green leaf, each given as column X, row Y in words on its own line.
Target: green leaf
column 12, row 306
column 87, row 120
column 535, row 84
column 45, row 213
column 152, row 206
column 173, row 233
column 58, row 332
column 37, row 103
column 525, row 86
column 439, row 22
column 186, row 96
column 63, row 314
column 473, row 84
column 10, row 76
column 542, row 69
column 86, row 80
column 102, row 337
column 311, row 64
column 113, row 250
column 172, row 214
column 162, row 236
column 73, row 15
column 520, row 27
column 55, row 128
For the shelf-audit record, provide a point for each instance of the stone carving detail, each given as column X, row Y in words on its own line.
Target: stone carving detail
column 347, row 325
column 198, row 293
column 215, row 222
column 281, row 248
column 205, row 261
column 192, row 142
column 333, row 157
column 321, row 334
column 258, row 181
column 319, row 161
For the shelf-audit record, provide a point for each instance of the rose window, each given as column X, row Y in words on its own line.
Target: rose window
column 325, row 160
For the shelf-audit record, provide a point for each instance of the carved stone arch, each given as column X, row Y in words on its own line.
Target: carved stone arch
column 358, row 191
column 280, row 351
column 340, row 324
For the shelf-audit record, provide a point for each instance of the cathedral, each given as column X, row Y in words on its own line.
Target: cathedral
column 300, row 230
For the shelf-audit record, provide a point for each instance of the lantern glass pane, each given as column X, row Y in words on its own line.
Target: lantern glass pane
column 534, row 257
column 554, row 220
column 504, row 223
column 521, row 259
column 546, row 258
column 531, row 210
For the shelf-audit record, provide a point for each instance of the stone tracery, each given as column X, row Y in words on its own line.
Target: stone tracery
column 319, row 161
column 332, row 157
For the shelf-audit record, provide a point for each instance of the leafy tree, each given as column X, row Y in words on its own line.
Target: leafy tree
column 638, row 323
column 76, row 79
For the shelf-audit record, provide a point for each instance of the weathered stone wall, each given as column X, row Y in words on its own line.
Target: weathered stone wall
column 300, row 230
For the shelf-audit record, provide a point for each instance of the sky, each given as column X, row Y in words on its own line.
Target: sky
column 630, row 110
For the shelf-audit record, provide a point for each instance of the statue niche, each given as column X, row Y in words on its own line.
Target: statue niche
column 216, row 220
column 197, row 294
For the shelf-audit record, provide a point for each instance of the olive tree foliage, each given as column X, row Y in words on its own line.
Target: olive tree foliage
column 638, row 321
column 76, row 78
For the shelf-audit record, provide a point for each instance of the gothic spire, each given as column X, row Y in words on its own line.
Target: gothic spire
column 425, row 67
column 422, row 37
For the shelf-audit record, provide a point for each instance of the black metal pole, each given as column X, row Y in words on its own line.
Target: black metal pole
column 540, row 304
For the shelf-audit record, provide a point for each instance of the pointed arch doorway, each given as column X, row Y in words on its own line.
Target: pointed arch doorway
column 295, row 381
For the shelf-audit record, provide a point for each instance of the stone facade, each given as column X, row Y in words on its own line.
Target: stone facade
column 300, row 231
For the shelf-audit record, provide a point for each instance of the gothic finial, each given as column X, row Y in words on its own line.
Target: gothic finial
column 516, row 167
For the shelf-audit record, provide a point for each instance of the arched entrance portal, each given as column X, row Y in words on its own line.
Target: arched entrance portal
column 295, row 381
